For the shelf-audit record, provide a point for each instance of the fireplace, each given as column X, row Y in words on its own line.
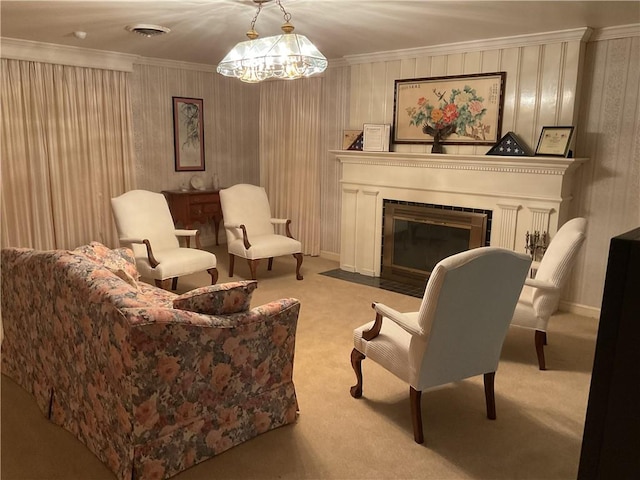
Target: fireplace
column 416, row 236
column 522, row 193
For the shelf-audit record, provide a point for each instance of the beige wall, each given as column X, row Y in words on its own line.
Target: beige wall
column 546, row 85
column 551, row 81
column 608, row 194
column 230, row 128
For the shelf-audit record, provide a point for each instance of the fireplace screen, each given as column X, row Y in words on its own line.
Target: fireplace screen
column 417, row 237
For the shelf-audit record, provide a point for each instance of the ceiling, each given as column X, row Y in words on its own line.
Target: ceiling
column 204, row 31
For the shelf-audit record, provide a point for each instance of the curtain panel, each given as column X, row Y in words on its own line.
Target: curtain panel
column 291, row 133
column 66, row 149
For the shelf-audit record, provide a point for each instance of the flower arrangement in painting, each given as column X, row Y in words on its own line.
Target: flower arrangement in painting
column 461, row 114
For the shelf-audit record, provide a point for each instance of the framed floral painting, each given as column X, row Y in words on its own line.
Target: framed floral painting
column 460, row 109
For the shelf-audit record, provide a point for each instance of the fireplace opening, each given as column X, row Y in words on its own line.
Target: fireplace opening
column 417, row 236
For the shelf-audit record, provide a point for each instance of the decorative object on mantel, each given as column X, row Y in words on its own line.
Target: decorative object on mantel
column 554, row 141
column 352, row 140
column 536, row 244
column 188, row 134
column 287, row 56
column 438, row 134
column 510, row 145
column 460, row 109
column 376, row 137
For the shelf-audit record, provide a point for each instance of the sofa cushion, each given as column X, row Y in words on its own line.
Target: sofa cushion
column 225, row 298
column 119, row 261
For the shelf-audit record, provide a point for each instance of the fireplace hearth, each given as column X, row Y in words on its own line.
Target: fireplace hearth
column 416, row 236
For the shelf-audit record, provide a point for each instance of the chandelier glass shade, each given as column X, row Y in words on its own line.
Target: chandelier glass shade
column 286, row 56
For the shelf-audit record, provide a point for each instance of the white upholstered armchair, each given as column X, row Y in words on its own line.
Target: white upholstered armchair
column 540, row 296
column 457, row 333
column 144, row 224
column 250, row 229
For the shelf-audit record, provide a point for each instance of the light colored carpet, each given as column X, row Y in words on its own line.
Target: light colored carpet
column 537, row 434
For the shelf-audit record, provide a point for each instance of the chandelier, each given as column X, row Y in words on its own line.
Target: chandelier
column 287, row 56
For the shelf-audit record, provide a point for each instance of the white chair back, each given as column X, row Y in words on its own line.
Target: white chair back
column 141, row 214
column 465, row 313
column 247, row 205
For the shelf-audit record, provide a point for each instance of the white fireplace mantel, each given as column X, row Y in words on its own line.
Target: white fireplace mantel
column 523, row 193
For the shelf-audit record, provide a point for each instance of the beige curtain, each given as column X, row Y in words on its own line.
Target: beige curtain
column 66, row 150
column 290, row 155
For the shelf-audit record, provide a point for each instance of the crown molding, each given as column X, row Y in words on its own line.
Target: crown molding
column 611, row 33
column 65, row 55
column 576, row 34
column 161, row 62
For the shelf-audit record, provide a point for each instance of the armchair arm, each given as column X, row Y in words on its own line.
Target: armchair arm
column 398, row 318
column 283, row 221
column 185, row 233
column 245, row 237
column 541, row 284
column 189, row 233
column 152, row 260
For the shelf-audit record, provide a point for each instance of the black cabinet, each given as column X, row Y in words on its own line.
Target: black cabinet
column 611, row 441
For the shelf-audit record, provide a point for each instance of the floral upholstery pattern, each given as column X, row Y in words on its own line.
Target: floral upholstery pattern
column 149, row 389
column 232, row 297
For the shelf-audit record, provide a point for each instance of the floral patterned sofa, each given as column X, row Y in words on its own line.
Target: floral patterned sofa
column 145, row 379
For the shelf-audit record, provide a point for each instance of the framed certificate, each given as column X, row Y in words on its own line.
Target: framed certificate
column 376, row 137
column 554, row 141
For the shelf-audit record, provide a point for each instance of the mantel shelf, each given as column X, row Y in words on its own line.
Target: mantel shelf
column 462, row 162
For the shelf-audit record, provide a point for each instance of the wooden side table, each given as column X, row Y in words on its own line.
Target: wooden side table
column 189, row 207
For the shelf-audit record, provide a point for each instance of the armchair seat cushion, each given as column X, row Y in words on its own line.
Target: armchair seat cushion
column 524, row 314
column 265, row 246
column 176, row 262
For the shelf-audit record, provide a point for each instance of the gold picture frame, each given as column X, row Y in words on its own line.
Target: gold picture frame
column 465, row 109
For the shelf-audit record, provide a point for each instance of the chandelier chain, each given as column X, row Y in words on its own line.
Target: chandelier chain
column 287, row 15
column 255, row 18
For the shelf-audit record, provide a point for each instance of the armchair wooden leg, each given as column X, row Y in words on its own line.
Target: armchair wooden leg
column 489, row 394
column 214, row 275
column 356, row 363
column 253, row 266
column 270, row 263
column 540, row 340
column 232, row 259
column 298, row 265
column 163, row 284
column 416, row 414
column 174, row 283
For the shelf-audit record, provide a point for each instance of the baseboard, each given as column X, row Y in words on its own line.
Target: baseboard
column 584, row 310
column 330, row 255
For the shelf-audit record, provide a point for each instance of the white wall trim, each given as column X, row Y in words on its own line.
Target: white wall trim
column 579, row 309
column 576, row 34
column 611, row 33
column 165, row 63
column 65, row 55
column 330, row 256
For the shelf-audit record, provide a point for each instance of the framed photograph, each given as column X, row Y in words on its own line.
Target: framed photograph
column 554, row 141
column 188, row 134
column 460, row 109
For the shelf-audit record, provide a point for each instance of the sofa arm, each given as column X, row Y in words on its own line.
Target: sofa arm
column 181, row 358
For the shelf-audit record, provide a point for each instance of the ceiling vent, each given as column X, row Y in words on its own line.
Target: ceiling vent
column 147, row 30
